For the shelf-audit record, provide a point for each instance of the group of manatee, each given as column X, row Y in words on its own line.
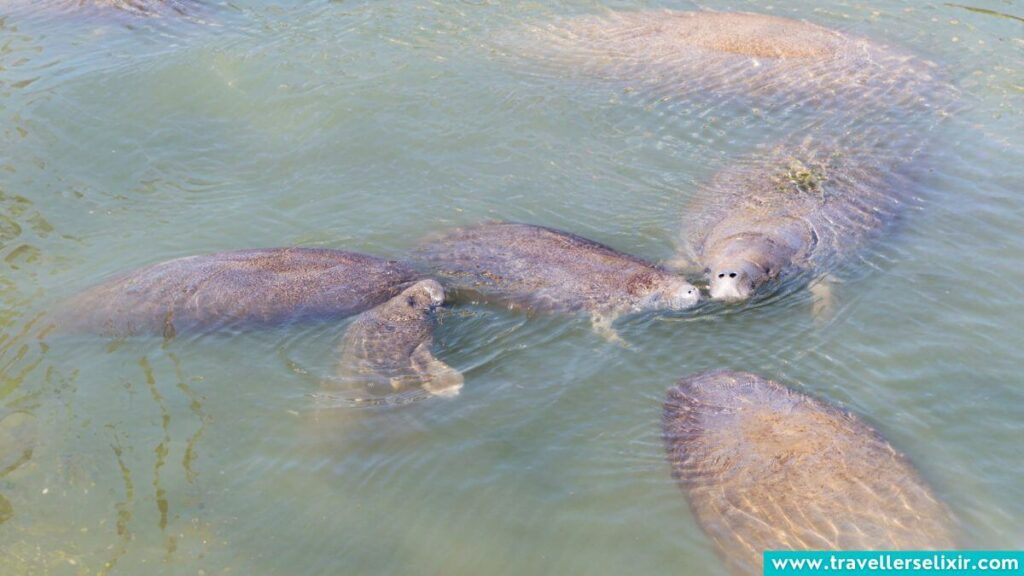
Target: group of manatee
column 764, row 467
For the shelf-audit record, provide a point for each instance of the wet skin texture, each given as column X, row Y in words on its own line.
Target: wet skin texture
column 535, row 268
column 767, row 468
column 240, row 289
column 114, row 9
column 388, row 348
column 726, row 54
column 792, row 211
column 741, row 232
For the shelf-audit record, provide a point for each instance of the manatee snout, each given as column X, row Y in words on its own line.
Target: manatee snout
column 736, row 281
column 739, row 266
column 673, row 294
column 680, row 295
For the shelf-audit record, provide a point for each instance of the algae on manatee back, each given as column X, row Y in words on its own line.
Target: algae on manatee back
column 802, row 177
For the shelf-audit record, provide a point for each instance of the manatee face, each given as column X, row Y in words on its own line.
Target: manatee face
column 742, row 266
column 673, row 294
column 424, row 295
column 736, row 280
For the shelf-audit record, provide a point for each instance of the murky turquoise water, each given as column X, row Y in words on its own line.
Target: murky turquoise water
column 369, row 125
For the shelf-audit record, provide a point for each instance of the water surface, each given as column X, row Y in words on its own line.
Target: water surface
column 369, row 125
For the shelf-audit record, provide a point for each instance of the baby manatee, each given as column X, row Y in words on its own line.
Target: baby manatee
column 387, row 349
column 767, row 468
column 239, row 289
column 796, row 212
column 542, row 269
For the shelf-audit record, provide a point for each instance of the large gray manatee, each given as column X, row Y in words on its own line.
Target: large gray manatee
column 711, row 54
column 535, row 268
column 239, row 289
column 860, row 111
column 788, row 213
column 138, row 8
column 143, row 7
column 767, row 468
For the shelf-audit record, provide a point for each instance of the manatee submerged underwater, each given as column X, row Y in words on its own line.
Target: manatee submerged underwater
column 388, row 350
column 862, row 114
column 143, row 7
column 137, row 8
column 539, row 269
column 719, row 55
column 768, row 468
column 239, row 289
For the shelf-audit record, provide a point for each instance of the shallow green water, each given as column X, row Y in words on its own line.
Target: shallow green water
column 367, row 126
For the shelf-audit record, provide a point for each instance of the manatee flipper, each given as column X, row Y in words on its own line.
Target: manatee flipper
column 439, row 378
column 602, row 326
column 823, row 308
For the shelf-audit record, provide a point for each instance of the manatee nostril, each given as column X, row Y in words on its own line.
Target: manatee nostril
column 732, row 274
column 721, row 275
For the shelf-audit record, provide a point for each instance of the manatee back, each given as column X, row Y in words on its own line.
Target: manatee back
column 872, row 103
column 838, row 198
column 111, row 8
column 235, row 289
column 767, row 468
column 538, row 268
column 145, row 7
column 726, row 55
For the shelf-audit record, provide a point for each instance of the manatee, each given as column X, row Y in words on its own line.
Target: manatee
column 814, row 198
column 722, row 54
column 143, row 8
column 387, row 349
column 239, row 289
column 768, row 468
column 791, row 213
column 534, row 268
